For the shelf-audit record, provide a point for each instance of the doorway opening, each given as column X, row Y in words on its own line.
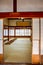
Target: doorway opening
column 17, row 40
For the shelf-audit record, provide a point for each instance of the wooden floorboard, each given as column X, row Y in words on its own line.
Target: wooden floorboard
column 16, row 64
column 19, row 64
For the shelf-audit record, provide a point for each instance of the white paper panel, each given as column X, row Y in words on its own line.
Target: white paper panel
column 1, row 29
column 5, row 32
column 35, row 28
column 6, row 5
column 35, row 47
column 23, row 32
column 20, row 32
column 11, row 32
column 27, row 32
column 1, row 46
column 41, row 36
column 1, row 36
column 29, row 5
column 17, row 32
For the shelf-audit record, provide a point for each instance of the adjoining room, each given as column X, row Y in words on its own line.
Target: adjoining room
column 18, row 40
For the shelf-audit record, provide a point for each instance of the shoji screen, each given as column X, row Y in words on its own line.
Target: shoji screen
column 41, row 40
column 11, row 32
column 5, row 32
column 23, row 32
column 1, row 40
column 35, row 51
column 1, row 36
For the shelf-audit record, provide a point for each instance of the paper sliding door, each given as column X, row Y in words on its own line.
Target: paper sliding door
column 35, row 45
column 1, row 40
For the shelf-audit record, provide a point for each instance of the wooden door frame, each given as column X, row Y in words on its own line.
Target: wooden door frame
column 22, row 14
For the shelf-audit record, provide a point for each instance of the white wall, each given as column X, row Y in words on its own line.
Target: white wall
column 12, row 22
column 5, row 21
column 22, row 5
column 6, row 5
column 29, row 5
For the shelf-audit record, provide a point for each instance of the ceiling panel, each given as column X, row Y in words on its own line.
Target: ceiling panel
column 29, row 5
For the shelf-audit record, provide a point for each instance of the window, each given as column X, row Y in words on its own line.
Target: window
column 19, row 32
column 27, row 32
column 5, row 32
column 23, row 32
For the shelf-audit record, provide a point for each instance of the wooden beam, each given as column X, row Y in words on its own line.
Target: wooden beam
column 18, row 36
column 14, row 5
column 8, row 31
column 21, row 14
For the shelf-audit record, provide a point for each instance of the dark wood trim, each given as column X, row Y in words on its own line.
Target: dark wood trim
column 14, row 5
column 32, row 41
column 19, row 36
column 21, row 14
column 19, row 27
column 40, row 39
column 5, row 28
column 14, row 31
column 8, row 31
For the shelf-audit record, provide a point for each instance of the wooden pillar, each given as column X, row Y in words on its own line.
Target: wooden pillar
column 14, row 5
